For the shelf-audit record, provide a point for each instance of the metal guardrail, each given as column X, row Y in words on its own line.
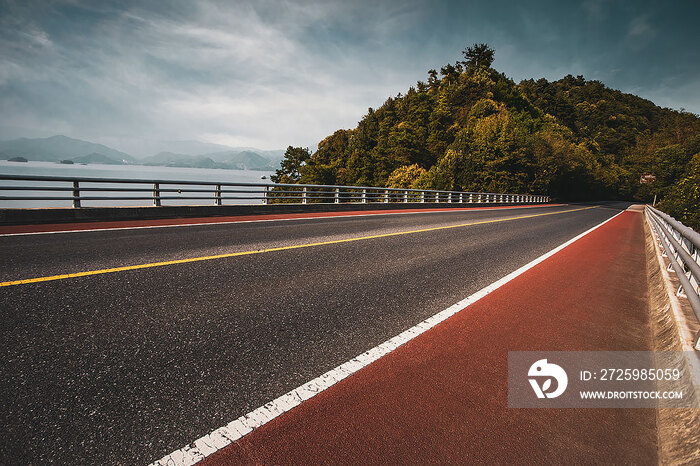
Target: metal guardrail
column 77, row 190
column 682, row 246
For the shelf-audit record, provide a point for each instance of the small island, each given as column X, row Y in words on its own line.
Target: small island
column 67, row 162
column 17, row 159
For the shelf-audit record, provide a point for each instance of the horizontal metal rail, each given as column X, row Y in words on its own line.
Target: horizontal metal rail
column 77, row 190
column 682, row 246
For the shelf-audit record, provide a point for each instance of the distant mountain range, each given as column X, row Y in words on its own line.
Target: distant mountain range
column 243, row 160
column 62, row 148
column 58, row 148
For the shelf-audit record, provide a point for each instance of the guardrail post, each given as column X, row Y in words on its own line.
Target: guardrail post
column 449, row 198
column 471, row 197
column 156, row 194
column 217, row 194
column 461, row 198
column 422, row 196
column 386, row 196
column 364, row 196
column 265, row 189
column 405, row 196
column 76, row 194
column 336, row 196
column 437, row 198
column 304, row 199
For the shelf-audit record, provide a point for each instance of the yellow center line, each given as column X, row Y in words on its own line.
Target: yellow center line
column 261, row 251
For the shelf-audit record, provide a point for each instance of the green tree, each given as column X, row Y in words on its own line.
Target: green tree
column 405, row 176
column 290, row 171
column 478, row 56
column 683, row 198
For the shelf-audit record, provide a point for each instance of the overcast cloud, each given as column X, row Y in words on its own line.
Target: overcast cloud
column 269, row 74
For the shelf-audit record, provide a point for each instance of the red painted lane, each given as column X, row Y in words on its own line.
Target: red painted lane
column 442, row 397
column 79, row 226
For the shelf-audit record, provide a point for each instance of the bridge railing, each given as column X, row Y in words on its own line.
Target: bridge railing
column 682, row 246
column 77, row 191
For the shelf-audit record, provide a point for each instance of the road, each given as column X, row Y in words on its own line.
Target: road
column 127, row 366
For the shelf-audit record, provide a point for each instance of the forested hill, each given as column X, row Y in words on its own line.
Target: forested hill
column 471, row 128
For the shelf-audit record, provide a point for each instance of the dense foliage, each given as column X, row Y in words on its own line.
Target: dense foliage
column 471, row 128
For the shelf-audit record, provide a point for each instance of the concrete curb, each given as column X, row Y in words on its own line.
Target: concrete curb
column 95, row 214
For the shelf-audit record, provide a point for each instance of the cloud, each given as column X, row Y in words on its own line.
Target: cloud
column 640, row 32
column 264, row 74
column 272, row 73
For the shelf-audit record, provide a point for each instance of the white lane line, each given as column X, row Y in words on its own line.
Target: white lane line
column 236, row 429
column 466, row 209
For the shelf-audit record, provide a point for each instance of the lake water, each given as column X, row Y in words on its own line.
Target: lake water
column 120, row 171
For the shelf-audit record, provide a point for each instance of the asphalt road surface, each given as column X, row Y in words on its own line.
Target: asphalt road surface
column 127, row 366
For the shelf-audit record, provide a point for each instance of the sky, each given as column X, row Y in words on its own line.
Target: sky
column 269, row 74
